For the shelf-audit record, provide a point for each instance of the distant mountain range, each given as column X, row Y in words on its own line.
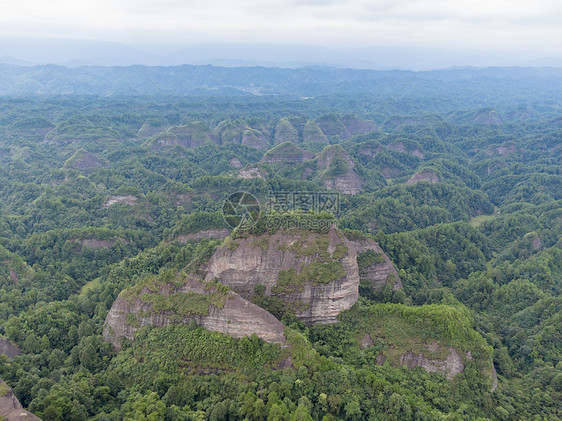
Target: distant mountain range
column 487, row 86
column 73, row 52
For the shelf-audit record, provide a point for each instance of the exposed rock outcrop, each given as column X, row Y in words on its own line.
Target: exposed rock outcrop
column 189, row 136
column 487, row 116
column 126, row 200
column 338, row 170
column 374, row 265
column 313, row 275
column 434, row 359
column 401, row 147
column 494, row 379
column 505, row 150
column 9, row 349
column 287, row 152
column 217, row 233
column 345, row 127
column 451, row 366
column 10, row 406
column 235, row 162
column 287, row 264
column 285, row 132
column 161, row 302
column 239, row 131
column 429, row 176
column 251, row 172
column 84, row 161
column 312, row 133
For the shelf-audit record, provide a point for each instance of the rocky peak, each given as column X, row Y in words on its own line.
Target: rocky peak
column 10, row 406
column 314, row 275
column 337, row 170
column 84, row 161
column 161, row 301
column 239, row 131
column 375, row 267
column 426, row 175
column 189, row 136
column 287, row 152
column 8, row 348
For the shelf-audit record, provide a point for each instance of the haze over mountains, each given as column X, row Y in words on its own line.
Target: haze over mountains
column 487, row 87
column 86, row 52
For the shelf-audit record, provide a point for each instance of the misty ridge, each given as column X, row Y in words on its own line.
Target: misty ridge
column 448, row 88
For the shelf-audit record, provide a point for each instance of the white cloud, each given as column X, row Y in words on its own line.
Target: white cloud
column 476, row 25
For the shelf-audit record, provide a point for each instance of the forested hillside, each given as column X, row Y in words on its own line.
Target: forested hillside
column 449, row 229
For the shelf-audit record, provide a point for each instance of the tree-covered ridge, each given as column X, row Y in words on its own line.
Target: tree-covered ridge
column 463, row 197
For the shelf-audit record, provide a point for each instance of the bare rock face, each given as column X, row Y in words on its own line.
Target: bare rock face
column 338, row 170
column 445, row 360
column 315, row 275
column 252, row 172
column 287, row 152
column 487, row 116
column 8, row 349
column 423, row 176
column 506, row 150
column 374, row 265
column 239, row 131
column 84, row 161
column 312, row 133
column 494, row 379
column 10, row 406
column 216, row 233
column 400, row 147
column 126, row 200
column 345, row 127
column 161, row 302
column 189, row 136
column 285, row 132
column 451, row 366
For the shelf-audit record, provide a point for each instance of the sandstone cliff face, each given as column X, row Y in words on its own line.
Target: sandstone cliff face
column 280, row 263
column 190, row 136
column 377, row 272
column 10, row 406
column 163, row 303
column 8, row 349
column 287, row 152
column 449, row 365
column 344, row 127
column 84, row 161
column 251, row 172
column 216, row 233
column 400, row 147
column 338, row 170
column 423, row 176
column 314, row 276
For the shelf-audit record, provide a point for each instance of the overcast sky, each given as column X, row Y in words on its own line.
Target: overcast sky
column 505, row 27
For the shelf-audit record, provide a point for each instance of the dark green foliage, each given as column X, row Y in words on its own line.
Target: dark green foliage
column 478, row 253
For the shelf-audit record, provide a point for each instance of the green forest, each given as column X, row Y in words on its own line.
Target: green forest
column 101, row 193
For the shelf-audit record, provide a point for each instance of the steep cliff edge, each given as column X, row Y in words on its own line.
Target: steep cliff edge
column 375, row 268
column 437, row 338
column 168, row 298
column 10, row 406
column 250, row 281
column 313, row 275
